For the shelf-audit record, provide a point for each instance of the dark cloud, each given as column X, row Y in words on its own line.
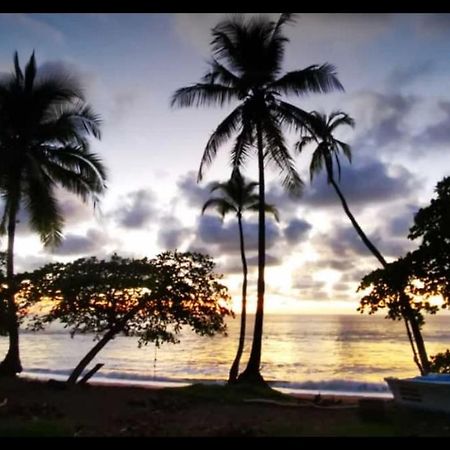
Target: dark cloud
column 137, row 209
column 296, row 230
column 341, row 286
column 192, row 192
column 172, row 233
column 233, row 264
column 286, row 204
column 437, row 134
column 29, row 263
column 73, row 209
column 306, row 282
column 402, row 76
column 434, row 23
column 363, row 185
column 225, row 236
column 90, row 243
column 399, row 225
column 381, row 120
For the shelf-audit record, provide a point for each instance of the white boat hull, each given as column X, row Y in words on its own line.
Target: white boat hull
column 430, row 392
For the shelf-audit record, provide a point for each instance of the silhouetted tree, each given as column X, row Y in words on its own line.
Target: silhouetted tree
column 151, row 299
column 238, row 196
column 246, row 67
column 44, row 125
column 326, row 155
column 431, row 261
column 420, row 275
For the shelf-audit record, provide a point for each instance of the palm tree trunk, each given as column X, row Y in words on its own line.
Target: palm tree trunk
column 252, row 372
column 11, row 365
column 91, row 354
column 235, row 366
column 414, row 335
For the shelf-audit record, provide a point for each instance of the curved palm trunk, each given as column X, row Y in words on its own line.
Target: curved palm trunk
column 91, row 354
column 235, row 366
column 252, row 372
column 11, row 365
column 414, row 334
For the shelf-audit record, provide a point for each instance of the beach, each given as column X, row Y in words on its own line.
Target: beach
column 333, row 354
column 38, row 408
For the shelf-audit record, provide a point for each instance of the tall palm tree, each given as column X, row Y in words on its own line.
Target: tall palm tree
column 44, row 128
column 237, row 197
column 326, row 154
column 246, row 67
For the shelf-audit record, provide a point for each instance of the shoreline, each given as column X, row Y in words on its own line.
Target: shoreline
column 160, row 384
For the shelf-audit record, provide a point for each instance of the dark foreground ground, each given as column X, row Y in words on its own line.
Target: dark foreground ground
column 31, row 408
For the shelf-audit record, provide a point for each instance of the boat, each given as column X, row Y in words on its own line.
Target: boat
column 428, row 392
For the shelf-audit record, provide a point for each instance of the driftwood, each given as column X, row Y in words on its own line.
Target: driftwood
column 92, row 372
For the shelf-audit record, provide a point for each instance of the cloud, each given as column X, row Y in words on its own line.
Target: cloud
column 136, row 210
column 399, row 225
column 224, row 237
column 29, row 263
column 402, row 76
column 74, row 210
column 296, row 230
column 363, row 184
column 172, row 234
column 194, row 194
column 336, row 29
column 233, row 264
column 381, row 119
column 437, row 134
column 90, row 243
column 36, row 26
column 433, row 24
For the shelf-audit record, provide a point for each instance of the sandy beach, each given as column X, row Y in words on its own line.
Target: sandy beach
column 36, row 408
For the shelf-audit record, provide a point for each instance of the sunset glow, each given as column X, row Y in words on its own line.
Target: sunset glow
column 395, row 74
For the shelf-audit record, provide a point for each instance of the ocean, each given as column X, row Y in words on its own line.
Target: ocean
column 330, row 354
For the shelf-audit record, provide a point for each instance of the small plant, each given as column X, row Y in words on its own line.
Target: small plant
column 440, row 363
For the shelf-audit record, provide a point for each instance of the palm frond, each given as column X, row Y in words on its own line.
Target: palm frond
column 222, row 206
column 17, row 70
column 346, row 149
column 203, row 94
column 221, row 75
column 221, row 134
column 30, row 73
column 69, row 164
column 45, row 215
column 293, row 117
column 316, row 164
column 277, row 152
column 303, row 142
column 315, row 78
column 271, row 209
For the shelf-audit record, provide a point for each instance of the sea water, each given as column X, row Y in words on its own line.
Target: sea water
column 342, row 354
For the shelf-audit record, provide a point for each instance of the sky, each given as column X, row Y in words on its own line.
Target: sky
column 395, row 69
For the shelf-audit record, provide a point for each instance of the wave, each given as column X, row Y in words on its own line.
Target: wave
column 335, row 386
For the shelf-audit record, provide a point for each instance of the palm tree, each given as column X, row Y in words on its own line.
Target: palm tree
column 238, row 196
column 245, row 67
column 44, row 128
column 321, row 132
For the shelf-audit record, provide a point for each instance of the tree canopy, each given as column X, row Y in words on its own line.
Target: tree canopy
column 148, row 298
